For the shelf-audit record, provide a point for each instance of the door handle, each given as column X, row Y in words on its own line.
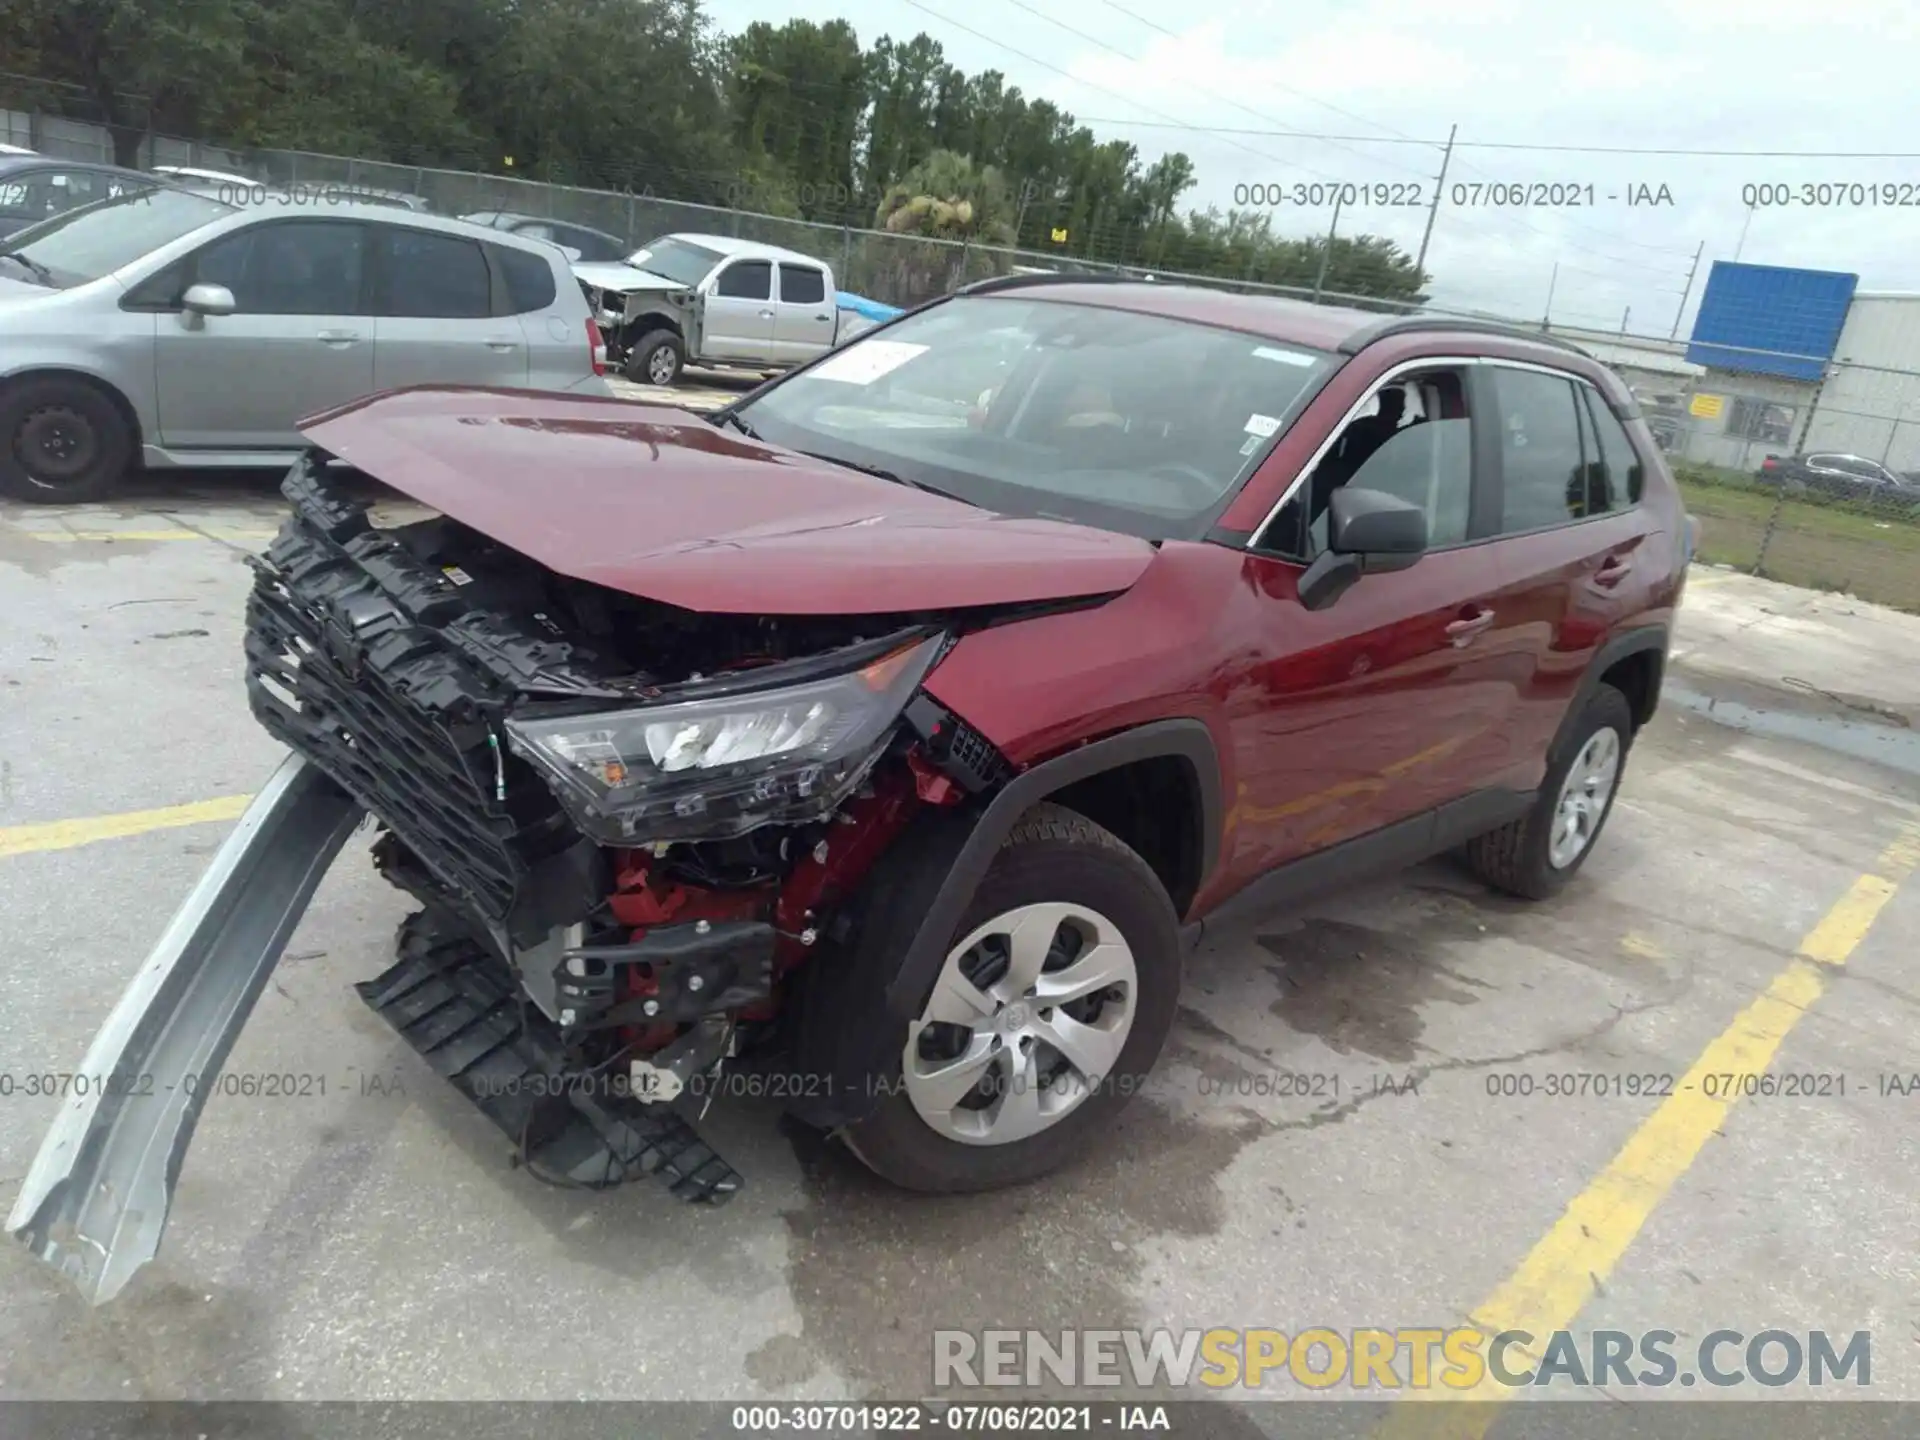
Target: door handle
column 1470, row 624
column 500, row 343
column 823, row 317
column 766, row 314
column 338, row 337
column 1612, row 571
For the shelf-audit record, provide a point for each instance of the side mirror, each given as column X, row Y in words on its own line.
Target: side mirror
column 1368, row 533
column 572, row 252
column 208, row 300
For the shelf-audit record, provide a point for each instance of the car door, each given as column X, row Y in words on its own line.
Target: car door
column 739, row 314
column 437, row 318
column 1396, row 698
column 299, row 340
column 803, row 321
column 1571, row 551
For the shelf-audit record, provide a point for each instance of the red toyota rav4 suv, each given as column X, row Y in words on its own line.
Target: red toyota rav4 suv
column 883, row 742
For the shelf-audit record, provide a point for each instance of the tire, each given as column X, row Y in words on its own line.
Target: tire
column 1519, row 857
column 637, row 367
column 1053, row 857
column 62, row 442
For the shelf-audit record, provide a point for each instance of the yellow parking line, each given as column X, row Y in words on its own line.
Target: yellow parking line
column 1553, row 1283
column 71, row 537
column 68, row 834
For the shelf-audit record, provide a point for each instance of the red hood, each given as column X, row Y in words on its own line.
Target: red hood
column 660, row 504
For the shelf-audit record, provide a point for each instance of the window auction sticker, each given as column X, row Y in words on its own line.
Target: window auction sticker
column 1285, row 357
column 1262, row 425
column 866, row 362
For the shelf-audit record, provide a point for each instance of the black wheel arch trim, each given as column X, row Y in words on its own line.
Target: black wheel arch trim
column 1655, row 638
column 1184, row 739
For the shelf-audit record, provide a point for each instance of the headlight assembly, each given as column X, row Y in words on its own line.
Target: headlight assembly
column 722, row 766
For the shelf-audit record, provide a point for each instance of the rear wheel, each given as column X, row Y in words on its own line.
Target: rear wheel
column 61, row 442
column 1046, row 1016
column 1537, row 854
column 656, row 358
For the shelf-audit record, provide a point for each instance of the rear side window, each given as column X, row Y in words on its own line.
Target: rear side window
column 802, row 285
column 747, row 280
column 529, row 279
column 429, row 276
column 1545, row 481
column 1615, row 476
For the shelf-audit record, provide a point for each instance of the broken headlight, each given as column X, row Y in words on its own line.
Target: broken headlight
column 716, row 767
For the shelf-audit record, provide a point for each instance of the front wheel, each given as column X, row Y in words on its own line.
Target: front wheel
column 61, row 442
column 656, row 358
column 1537, row 854
column 1045, row 1018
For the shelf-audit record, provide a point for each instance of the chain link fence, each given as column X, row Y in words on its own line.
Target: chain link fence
column 1799, row 481
column 1848, row 521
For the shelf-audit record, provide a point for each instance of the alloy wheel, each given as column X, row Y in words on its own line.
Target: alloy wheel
column 1584, row 796
column 1026, row 1021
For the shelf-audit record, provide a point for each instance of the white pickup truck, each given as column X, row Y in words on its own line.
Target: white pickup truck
column 711, row 300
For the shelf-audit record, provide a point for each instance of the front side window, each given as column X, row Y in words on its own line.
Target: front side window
column 1133, row 422
column 288, row 268
column 1545, row 481
column 1413, row 439
column 82, row 245
column 429, row 276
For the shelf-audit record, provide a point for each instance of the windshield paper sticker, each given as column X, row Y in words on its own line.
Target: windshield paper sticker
column 1262, row 425
column 866, row 362
column 1285, row 357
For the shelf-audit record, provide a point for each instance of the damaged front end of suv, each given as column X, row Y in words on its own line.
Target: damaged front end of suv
column 627, row 825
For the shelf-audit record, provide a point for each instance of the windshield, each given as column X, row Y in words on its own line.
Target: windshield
column 1132, row 422
column 85, row 244
column 676, row 260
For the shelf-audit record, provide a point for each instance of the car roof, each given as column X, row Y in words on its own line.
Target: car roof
column 518, row 216
column 1305, row 323
column 13, row 164
column 393, row 215
column 731, row 248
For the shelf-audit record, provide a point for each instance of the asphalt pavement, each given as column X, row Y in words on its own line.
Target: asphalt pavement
column 1357, row 1123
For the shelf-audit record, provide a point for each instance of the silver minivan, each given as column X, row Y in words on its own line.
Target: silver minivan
column 168, row 328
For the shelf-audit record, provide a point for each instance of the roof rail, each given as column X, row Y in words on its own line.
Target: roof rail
column 995, row 283
column 1400, row 324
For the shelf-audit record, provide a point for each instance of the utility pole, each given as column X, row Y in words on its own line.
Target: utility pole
column 1026, row 194
column 1743, row 233
column 1439, row 184
column 1624, row 318
column 1686, row 292
column 1546, row 320
column 1326, row 252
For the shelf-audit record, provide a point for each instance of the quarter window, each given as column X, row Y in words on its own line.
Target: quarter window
column 1615, row 476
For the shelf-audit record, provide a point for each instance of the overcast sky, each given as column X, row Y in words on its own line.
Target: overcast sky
column 1742, row 75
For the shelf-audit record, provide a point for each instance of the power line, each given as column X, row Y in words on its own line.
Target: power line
column 1666, row 150
column 1402, row 135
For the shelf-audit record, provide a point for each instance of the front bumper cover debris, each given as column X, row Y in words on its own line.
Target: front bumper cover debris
column 95, row 1202
column 456, row 1004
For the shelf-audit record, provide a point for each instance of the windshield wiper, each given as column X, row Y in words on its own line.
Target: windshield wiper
column 877, row 472
column 730, row 417
column 30, row 265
